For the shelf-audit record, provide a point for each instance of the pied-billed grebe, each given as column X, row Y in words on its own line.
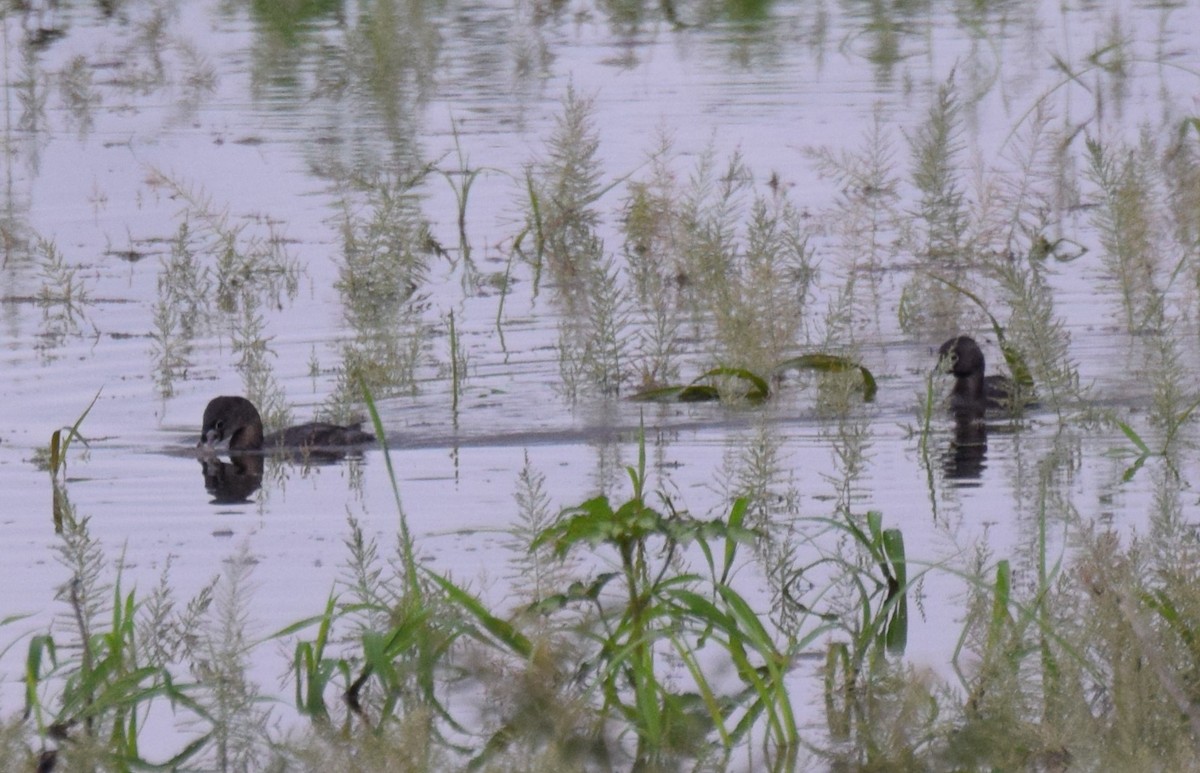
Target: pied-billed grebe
column 236, row 420
column 973, row 392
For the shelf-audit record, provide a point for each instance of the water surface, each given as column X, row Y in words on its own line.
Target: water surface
column 270, row 140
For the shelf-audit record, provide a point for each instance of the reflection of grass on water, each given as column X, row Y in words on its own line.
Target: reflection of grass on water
column 63, row 294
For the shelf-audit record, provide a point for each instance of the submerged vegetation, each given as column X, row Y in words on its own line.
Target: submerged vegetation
column 761, row 619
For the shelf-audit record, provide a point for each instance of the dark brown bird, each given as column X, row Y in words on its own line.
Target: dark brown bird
column 973, row 393
column 235, row 420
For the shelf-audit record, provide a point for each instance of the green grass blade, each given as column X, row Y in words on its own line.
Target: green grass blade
column 737, row 516
column 1134, row 438
column 502, row 630
column 410, row 561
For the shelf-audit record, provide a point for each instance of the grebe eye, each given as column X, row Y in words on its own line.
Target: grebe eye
column 220, row 425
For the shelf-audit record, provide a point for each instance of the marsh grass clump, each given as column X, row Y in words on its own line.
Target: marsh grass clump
column 997, row 722
column 890, row 725
column 592, row 348
column 866, row 219
column 758, row 472
column 1125, row 695
column 364, row 575
column 659, row 615
column 220, row 658
column 1025, row 704
column 855, row 574
column 400, row 631
column 108, row 661
column 1039, row 336
column 865, row 601
column 88, row 686
column 404, row 744
column 13, row 746
column 384, row 243
column 461, row 180
column 937, row 149
column 940, row 236
column 535, row 573
column 1019, row 215
column 198, row 75
column 707, row 219
column 385, row 265
column 770, row 284
column 246, row 267
column 404, row 652
column 563, row 192
column 746, row 266
column 735, row 266
column 1181, row 174
column 250, row 345
column 165, row 632
column 32, row 88
column 1021, row 208
column 648, row 250
column 179, row 311
column 220, row 276
column 1172, row 403
column 1129, row 229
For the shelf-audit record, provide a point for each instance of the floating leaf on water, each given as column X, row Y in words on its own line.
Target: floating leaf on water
column 759, row 390
column 694, row 393
column 697, row 392
column 832, row 363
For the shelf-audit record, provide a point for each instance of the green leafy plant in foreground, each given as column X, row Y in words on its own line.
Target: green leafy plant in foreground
column 676, row 661
column 645, row 611
column 103, row 689
column 643, row 614
column 102, row 685
column 880, row 625
column 402, row 638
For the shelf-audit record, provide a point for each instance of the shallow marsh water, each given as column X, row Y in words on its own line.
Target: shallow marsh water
column 281, row 145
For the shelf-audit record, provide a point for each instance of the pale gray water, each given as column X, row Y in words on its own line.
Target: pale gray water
column 281, row 114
